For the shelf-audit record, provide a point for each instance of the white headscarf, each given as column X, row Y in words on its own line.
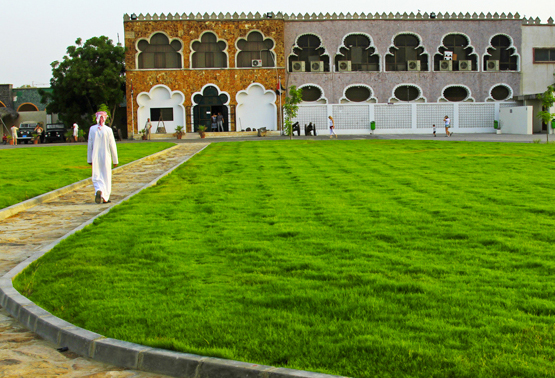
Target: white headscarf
column 101, row 117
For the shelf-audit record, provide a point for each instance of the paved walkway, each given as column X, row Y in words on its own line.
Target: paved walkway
column 22, row 353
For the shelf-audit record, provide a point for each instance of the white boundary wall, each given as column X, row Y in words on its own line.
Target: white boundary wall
column 402, row 118
column 517, row 120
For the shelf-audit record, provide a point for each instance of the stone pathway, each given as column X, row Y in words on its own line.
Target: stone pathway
column 22, row 353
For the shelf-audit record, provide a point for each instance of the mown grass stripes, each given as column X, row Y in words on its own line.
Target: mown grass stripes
column 358, row 258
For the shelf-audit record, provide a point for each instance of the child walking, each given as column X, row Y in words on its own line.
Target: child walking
column 434, row 127
column 332, row 127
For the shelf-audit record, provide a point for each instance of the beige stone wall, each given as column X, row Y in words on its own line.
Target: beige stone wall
column 187, row 80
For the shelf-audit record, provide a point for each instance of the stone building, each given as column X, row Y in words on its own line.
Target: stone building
column 184, row 68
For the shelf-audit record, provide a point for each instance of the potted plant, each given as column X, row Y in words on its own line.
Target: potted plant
column 179, row 132
column 10, row 140
column 143, row 134
column 36, row 137
column 202, row 131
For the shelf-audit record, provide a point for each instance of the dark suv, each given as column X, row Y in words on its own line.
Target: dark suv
column 24, row 134
column 55, row 132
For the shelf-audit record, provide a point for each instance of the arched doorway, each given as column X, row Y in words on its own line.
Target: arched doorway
column 210, row 101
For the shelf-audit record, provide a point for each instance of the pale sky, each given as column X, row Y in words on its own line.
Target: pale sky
column 38, row 32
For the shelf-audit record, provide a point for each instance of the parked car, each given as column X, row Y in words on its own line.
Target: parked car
column 55, row 132
column 25, row 132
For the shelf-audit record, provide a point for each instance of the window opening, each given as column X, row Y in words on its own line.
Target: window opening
column 311, row 93
column 358, row 93
column 500, row 93
column 405, row 55
column 407, row 93
column 455, row 94
column 359, row 52
column 209, row 53
column 502, row 52
column 159, row 52
column 255, row 47
column 544, row 55
column 309, row 50
column 459, row 46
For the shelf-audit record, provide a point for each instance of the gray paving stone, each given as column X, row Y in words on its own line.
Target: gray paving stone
column 28, row 316
column 117, row 352
column 78, row 340
column 170, row 363
column 220, row 368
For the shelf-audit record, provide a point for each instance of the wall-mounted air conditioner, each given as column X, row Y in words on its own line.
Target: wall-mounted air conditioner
column 492, row 65
column 316, row 66
column 413, row 65
column 298, row 66
column 446, row 65
column 465, row 65
column 256, row 63
column 344, row 65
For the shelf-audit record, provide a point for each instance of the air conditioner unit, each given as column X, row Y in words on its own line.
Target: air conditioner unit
column 446, row 65
column 256, row 63
column 344, row 65
column 492, row 65
column 316, row 66
column 465, row 65
column 298, row 66
column 413, row 65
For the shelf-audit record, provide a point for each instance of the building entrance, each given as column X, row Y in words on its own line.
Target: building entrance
column 210, row 103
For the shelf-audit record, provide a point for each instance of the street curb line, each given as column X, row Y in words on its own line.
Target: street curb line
column 25, row 205
column 122, row 353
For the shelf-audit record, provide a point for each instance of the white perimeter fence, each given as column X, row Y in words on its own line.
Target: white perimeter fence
column 402, row 118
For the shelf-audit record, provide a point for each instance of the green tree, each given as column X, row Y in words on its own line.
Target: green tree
column 547, row 99
column 89, row 75
column 291, row 108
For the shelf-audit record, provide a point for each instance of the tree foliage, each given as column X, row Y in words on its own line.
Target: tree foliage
column 89, row 75
column 291, row 107
column 547, row 99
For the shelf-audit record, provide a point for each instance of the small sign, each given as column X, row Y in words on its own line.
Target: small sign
column 448, row 55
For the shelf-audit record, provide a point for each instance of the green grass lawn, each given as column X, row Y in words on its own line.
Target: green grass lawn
column 29, row 172
column 358, row 258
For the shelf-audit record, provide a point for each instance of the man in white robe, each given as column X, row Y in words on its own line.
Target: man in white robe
column 101, row 154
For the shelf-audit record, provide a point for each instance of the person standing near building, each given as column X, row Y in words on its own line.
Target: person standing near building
column 14, row 134
column 447, row 122
column 220, row 120
column 75, row 132
column 434, row 128
column 148, row 128
column 332, row 127
column 101, row 153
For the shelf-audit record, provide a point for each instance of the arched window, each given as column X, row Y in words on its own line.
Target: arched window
column 159, row 52
column 501, row 93
column 407, row 93
column 463, row 56
column 405, row 55
column 209, row 52
column 501, row 55
column 358, row 50
column 255, row 47
column 311, row 93
column 310, row 54
column 27, row 107
column 358, row 93
column 455, row 93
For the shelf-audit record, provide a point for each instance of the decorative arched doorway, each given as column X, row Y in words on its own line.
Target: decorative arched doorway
column 208, row 102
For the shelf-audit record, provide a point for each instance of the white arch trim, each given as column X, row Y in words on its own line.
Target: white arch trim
column 202, row 90
column 256, row 107
column 370, row 46
column 148, row 39
column 161, row 96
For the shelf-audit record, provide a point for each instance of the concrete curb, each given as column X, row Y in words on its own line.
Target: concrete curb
column 22, row 206
column 122, row 353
